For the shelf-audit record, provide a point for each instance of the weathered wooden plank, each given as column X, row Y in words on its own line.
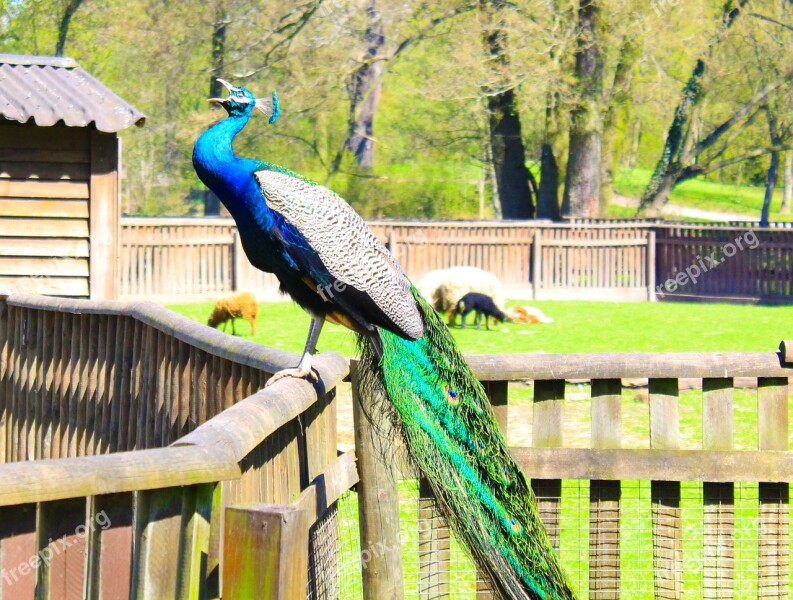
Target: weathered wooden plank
column 668, row 465
column 109, row 568
column 774, row 498
column 67, row 247
column 604, row 496
column 49, row 228
column 120, row 472
column 718, row 498
column 266, row 552
column 19, row 207
column 194, row 543
column 606, row 412
column 33, row 155
column 32, row 188
column 61, row 286
column 18, row 548
column 43, row 267
column 50, row 170
column 604, row 539
column 664, row 414
column 62, row 538
column 625, row 365
column 378, row 497
column 547, row 432
column 16, row 135
column 158, row 523
column 104, row 201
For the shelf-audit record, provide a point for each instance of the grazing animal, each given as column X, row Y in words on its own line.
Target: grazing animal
column 241, row 306
column 481, row 305
column 527, row 314
column 444, row 287
column 330, row 262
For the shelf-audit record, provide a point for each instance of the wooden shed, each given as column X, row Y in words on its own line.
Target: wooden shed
column 59, row 178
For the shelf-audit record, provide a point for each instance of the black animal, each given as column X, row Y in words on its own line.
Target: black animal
column 482, row 305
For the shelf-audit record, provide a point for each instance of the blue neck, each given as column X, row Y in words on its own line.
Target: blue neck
column 226, row 174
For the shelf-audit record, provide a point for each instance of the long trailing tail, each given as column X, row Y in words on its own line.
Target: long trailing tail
column 451, row 434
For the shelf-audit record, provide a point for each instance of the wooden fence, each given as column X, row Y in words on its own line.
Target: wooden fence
column 192, row 258
column 728, row 263
column 714, row 519
column 168, row 258
column 132, row 438
column 139, row 460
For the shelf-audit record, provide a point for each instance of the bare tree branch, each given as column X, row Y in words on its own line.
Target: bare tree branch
column 771, row 20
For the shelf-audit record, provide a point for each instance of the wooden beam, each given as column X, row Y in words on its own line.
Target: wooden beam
column 23, row 207
column 104, row 225
column 378, row 497
column 32, row 188
column 266, row 552
column 622, row 365
column 63, row 247
column 31, row 481
column 662, row 465
column 48, row 228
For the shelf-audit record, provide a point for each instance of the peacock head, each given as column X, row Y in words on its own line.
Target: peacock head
column 241, row 102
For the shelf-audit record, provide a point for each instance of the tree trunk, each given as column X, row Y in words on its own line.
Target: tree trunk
column 582, row 182
column 669, row 167
column 671, row 163
column 216, row 89
column 506, row 143
column 63, row 26
column 548, row 195
column 618, row 114
column 773, row 168
column 365, row 88
column 787, row 195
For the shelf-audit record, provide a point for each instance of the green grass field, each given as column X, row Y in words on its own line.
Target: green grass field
column 699, row 193
column 577, row 327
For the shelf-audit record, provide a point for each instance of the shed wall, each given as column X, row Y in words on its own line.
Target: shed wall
column 52, row 180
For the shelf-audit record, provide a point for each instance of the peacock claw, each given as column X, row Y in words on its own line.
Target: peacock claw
column 309, row 374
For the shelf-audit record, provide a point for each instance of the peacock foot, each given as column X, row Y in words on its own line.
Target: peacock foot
column 309, row 373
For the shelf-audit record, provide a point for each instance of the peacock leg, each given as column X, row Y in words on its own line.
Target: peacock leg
column 303, row 369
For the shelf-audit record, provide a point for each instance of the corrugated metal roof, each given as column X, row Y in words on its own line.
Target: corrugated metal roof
column 49, row 89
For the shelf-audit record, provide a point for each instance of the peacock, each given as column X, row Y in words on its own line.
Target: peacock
column 328, row 260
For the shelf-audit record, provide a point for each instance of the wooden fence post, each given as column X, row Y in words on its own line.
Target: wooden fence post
column 536, row 261
column 605, row 495
column 237, row 258
column 651, row 266
column 265, row 552
column 378, row 497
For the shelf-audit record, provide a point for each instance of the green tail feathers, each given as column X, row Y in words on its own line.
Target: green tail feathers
column 452, row 436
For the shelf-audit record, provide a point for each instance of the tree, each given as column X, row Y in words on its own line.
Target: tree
column 617, row 112
column 63, row 26
column 582, row 181
column 677, row 153
column 507, row 152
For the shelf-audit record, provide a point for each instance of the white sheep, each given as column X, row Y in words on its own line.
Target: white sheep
column 444, row 287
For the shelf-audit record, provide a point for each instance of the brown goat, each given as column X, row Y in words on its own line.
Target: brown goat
column 241, row 306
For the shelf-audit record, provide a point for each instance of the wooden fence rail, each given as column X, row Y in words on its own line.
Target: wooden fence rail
column 169, row 258
column 127, row 435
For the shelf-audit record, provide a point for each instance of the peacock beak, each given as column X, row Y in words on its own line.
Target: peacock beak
column 227, row 85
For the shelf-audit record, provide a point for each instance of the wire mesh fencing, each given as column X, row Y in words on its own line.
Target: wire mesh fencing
column 677, row 540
